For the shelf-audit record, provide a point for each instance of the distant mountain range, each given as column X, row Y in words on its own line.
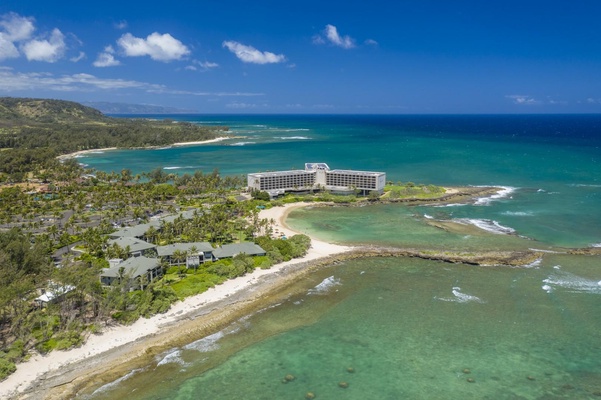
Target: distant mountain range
column 125, row 108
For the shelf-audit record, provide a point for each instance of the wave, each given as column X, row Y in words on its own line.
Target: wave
column 584, row 185
column 186, row 167
column 116, row 382
column 426, row 216
column 487, row 225
column 241, row 143
column 596, row 245
column 573, row 283
column 459, row 297
column 519, row 213
column 172, row 357
column 533, row 264
column 451, row 205
column 504, row 192
column 325, row 285
column 295, row 138
column 207, row 343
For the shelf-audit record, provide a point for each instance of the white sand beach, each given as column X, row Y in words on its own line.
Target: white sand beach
column 179, row 144
column 52, row 364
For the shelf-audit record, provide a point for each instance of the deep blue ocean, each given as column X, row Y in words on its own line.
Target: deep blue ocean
column 409, row 328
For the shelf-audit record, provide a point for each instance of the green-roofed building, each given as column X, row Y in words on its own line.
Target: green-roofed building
column 135, row 247
column 135, row 268
column 137, row 231
column 195, row 253
column 233, row 249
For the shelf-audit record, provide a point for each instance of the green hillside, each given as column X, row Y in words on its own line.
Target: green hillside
column 33, row 132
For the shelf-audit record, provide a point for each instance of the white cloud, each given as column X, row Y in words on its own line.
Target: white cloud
column 120, row 25
column 79, row 57
column 330, row 35
column 49, row 50
column 11, row 81
column 7, row 48
column 17, row 28
column 371, row 42
column 522, row 100
column 13, row 29
column 203, row 65
column 249, row 54
column 159, row 47
column 106, row 58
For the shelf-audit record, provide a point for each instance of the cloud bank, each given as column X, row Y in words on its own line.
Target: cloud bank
column 249, row 54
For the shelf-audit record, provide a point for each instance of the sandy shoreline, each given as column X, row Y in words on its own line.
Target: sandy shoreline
column 121, row 344
column 179, row 144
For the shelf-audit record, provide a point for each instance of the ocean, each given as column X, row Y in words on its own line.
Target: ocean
column 409, row 328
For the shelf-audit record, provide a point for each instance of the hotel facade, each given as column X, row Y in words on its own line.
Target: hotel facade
column 317, row 176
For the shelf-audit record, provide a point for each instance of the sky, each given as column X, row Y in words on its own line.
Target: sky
column 308, row 57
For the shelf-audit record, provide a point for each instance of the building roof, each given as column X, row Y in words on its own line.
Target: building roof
column 281, row 173
column 233, row 249
column 134, row 267
column 353, row 172
column 133, row 243
column 188, row 214
column 204, row 247
column 316, row 166
column 134, row 231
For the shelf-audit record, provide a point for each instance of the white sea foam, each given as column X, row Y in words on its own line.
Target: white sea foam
column 295, row 138
column 184, row 167
column 172, row 357
column 572, row 283
column 451, row 205
column 584, row 185
column 487, row 225
column 533, row 264
column 208, row 343
column 596, row 245
column 96, row 152
column 505, row 192
column 325, row 285
column 459, row 297
column 428, row 216
column 547, row 288
column 519, row 213
column 116, row 382
column 241, row 143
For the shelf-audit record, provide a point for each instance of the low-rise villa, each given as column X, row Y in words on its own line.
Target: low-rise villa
column 136, row 268
column 191, row 254
column 317, row 176
column 233, row 249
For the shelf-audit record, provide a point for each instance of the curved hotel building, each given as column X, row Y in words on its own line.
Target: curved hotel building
column 317, row 176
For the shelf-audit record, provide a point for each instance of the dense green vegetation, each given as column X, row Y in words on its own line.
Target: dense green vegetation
column 80, row 212
column 34, row 131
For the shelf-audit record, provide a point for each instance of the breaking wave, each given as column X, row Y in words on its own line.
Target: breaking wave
column 325, row 285
column 519, row 213
column 208, row 343
column 185, row 167
column 459, row 297
column 295, row 138
column 487, row 225
column 571, row 282
column 505, row 192
column 241, row 143
column 116, row 382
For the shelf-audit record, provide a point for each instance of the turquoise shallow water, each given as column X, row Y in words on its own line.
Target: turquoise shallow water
column 410, row 327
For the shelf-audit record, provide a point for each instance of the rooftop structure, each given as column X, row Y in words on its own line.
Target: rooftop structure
column 136, row 246
column 317, row 176
column 134, row 268
column 233, row 249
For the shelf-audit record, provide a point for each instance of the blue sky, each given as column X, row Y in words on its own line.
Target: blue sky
column 394, row 56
